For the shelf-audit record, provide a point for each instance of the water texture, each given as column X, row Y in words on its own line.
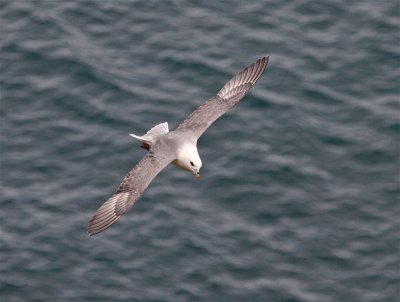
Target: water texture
column 299, row 197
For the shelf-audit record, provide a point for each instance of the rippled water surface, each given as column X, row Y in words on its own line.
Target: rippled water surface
column 299, row 197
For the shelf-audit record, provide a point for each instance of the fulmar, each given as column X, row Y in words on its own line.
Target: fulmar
column 178, row 147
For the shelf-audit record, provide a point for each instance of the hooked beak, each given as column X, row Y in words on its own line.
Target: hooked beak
column 197, row 175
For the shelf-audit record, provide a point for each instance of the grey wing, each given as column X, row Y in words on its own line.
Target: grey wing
column 227, row 97
column 129, row 191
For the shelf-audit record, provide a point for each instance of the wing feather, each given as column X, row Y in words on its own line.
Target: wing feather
column 130, row 190
column 227, row 97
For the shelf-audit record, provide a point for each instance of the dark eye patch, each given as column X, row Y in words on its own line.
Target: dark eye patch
column 192, row 164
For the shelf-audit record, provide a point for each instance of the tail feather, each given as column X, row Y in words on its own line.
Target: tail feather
column 136, row 136
column 151, row 136
column 158, row 129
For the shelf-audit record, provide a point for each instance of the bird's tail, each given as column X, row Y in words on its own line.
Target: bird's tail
column 152, row 135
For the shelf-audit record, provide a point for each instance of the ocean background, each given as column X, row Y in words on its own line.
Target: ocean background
column 299, row 196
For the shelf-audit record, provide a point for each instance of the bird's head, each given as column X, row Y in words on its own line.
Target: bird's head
column 189, row 160
column 195, row 165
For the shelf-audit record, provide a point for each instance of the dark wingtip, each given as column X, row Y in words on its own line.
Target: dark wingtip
column 266, row 60
column 104, row 217
column 93, row 230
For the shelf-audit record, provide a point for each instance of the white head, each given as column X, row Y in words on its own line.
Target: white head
column 189, row 160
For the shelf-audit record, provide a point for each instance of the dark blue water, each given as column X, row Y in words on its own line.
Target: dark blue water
column 299, row 197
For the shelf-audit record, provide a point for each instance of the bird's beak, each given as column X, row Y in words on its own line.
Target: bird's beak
column 197, row 176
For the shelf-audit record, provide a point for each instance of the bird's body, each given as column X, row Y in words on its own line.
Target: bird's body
column 182, row 144
column 178, row 147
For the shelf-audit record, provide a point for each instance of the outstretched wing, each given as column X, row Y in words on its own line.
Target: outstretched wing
column 227, row 97
column 130, row 190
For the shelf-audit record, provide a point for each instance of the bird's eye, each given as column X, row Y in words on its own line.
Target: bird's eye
column 192, row 164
